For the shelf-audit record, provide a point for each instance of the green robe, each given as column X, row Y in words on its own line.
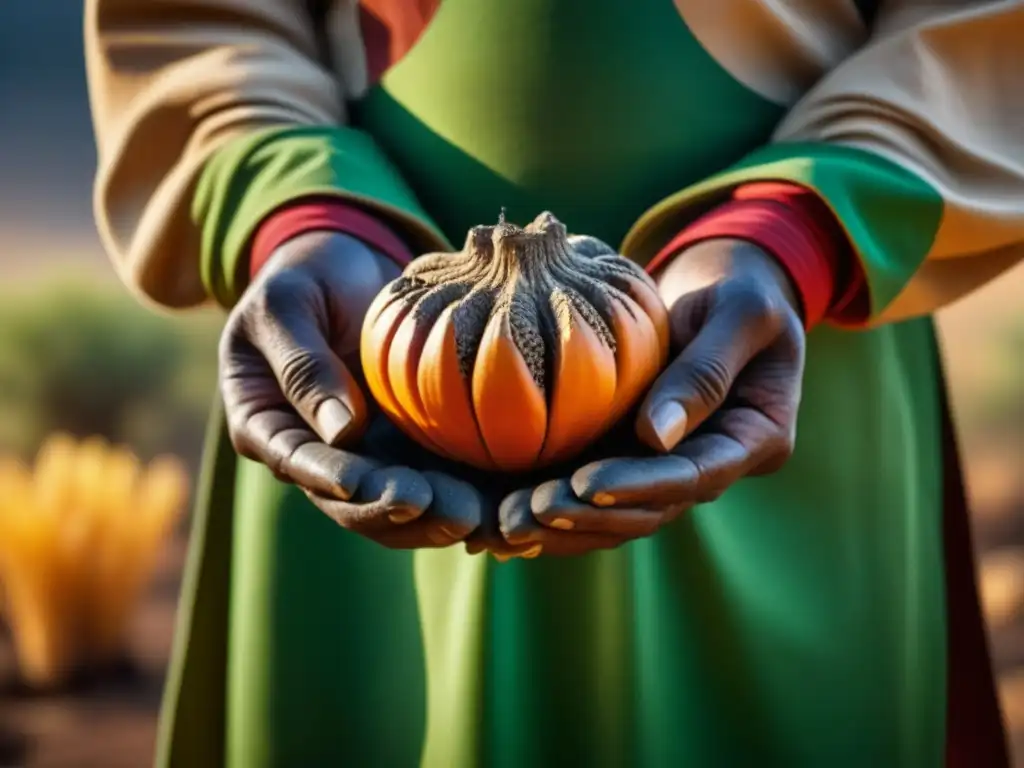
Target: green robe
column 801, row 620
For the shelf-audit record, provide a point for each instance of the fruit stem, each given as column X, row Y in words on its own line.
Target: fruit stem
column 540, row 244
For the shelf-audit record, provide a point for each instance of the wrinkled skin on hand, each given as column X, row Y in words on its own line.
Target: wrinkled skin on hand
column 289, row 376
column 725, row 408
column 291, row 383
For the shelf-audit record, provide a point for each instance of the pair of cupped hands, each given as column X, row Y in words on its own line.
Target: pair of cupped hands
column 724, row 408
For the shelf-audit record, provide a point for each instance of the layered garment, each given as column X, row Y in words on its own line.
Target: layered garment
column 826, row 615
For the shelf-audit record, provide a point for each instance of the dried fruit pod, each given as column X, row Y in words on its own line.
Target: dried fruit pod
column 517, row 351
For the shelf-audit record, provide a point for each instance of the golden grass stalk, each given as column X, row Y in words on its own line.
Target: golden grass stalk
column 80, row 534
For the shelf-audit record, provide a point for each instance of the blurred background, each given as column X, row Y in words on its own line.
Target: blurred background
column 78, row 355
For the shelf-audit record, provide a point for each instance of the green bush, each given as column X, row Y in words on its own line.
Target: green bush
column 87, row 358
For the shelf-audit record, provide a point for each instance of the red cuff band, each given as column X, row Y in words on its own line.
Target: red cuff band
column 312, row 215
column 794, row 226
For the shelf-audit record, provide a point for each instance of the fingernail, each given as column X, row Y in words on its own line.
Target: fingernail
column 502, row 558
column 561, row 524
column 403, row 515
column 669, row 423
column 332, row 419
column 532, row 552
column 603, row 500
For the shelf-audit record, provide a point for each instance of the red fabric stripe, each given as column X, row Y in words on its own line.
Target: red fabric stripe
column 797, row 228
column 331, row 215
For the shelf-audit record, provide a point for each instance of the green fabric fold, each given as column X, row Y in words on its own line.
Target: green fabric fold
column 889, row 214
column 253, row 176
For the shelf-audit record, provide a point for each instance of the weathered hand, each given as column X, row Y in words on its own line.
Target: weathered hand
column 551, row 519
column 732, row 393
column 543, row 513
column 291, row 399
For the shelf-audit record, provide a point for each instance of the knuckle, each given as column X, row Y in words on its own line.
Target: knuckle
column 711, row 380
column 782, row 442
column 281, row 292
column 687, row 316
column 751, row 294
column 301, row 370
column 232, row 337
column 238, row 436
column 756, row 305
column 777, row 453
column 705, row 476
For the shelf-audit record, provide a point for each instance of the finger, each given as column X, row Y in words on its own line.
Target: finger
column 736, row 443
column 555, row 505
column 520, row 529
column 457, row 507
column 488, row 538
column 698, row 381
column 660, row 480
column 288, row 325
column 453, row 513
column 769, row 444
column 771, row 385
column 264, row 427
column 296, row 455
column 385, row 497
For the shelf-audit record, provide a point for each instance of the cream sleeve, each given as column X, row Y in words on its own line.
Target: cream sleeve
column 170, row 82
column 916, row 142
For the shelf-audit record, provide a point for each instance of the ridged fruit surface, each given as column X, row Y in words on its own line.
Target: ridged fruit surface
column 517, row 351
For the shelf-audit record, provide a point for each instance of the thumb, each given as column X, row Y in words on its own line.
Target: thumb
column 697, row 382
column 288, row 327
